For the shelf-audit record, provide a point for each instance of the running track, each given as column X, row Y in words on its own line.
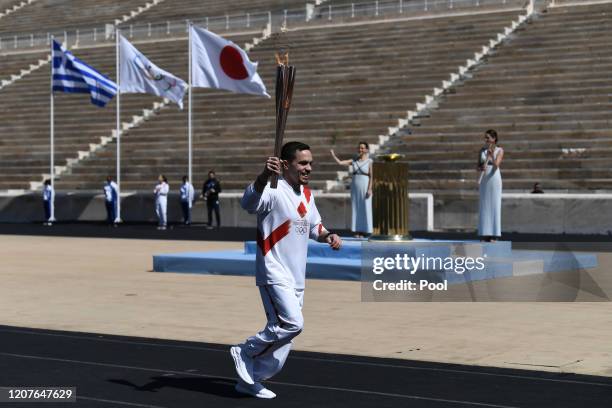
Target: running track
column 114, row 371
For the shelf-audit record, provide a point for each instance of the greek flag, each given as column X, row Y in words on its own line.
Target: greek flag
column 72, row 75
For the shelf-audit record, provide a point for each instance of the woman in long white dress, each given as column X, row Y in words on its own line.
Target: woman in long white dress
column 361, row 170
column 490, row 188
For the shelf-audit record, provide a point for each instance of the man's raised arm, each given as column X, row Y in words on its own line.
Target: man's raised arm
column 254, row 200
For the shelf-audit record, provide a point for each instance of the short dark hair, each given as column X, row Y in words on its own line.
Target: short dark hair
column 164, row 178
column 365, row 144
column 211, row 171
column 492, row 133
column 290, row 148
column 185, row 178
column 47, row 182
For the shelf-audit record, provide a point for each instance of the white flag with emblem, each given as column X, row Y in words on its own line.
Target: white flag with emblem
column 140, row 75
column 221, row 64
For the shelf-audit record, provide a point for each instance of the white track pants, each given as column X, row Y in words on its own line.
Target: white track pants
column 161, row 206
column 270, row 347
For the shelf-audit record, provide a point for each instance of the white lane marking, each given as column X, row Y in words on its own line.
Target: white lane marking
column 130, row 404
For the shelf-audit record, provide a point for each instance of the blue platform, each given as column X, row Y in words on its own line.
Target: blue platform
column 324, row 263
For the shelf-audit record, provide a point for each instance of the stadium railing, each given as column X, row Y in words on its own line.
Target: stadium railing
column 275, row 21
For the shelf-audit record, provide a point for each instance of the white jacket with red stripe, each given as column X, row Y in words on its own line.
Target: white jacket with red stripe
column 285, row 221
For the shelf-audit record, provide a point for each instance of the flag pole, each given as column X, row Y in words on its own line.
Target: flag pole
column 189, row 113
column 118, row 124
column 52, row 131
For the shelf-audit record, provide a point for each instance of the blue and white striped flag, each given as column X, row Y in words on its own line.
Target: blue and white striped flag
column 72, row 75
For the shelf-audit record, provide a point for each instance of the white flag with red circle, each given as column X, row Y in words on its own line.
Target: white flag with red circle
column 221, row 64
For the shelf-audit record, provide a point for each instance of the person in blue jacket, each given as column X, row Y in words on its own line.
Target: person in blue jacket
column 187, row 196
column 49, row 202
column 111, row 198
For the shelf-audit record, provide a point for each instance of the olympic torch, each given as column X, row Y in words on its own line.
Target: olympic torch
column 285, row 77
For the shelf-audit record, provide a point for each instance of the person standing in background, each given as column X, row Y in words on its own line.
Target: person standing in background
column 537, row 189
column 361, row 170
column 161, row 201
column 49, row 203
column 111, row 197
column 210, row 192
column 490, row 188
column 187, row 194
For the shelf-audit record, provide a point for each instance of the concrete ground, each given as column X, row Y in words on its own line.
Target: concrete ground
column 106, row 286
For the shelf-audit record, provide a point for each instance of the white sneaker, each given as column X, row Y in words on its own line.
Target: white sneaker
column 243, row 364
column 256, row 390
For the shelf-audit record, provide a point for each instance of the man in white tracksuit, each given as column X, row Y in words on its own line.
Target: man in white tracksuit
column 286, row 218
column 187, row 195
column 161, row 201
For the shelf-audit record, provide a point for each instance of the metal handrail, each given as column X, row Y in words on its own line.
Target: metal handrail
column 247, row 22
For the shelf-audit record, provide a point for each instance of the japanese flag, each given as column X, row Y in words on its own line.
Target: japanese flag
column 221, row 64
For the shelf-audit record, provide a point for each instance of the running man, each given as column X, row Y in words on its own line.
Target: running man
column 286, row 217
